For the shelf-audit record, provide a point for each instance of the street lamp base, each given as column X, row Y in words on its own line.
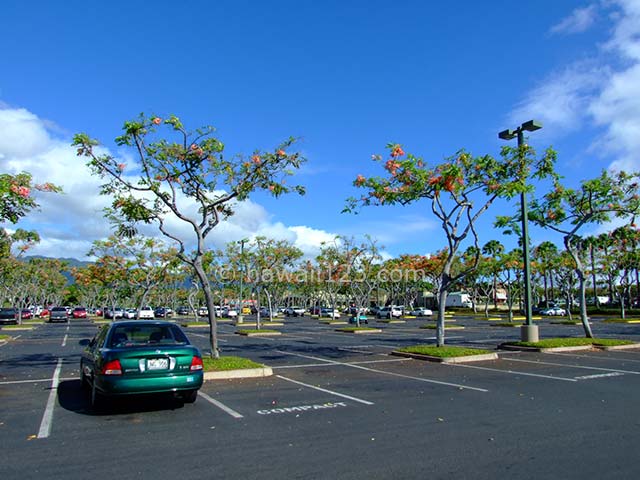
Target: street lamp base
column 239, row 319
column 529, row 333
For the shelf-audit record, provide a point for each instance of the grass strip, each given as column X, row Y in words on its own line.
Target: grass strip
column 443, row 352
column 5, row 337
column 356, row 329
column 572, row 342
column 228, row 363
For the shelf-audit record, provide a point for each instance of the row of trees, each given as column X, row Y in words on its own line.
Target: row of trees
column 138, row 271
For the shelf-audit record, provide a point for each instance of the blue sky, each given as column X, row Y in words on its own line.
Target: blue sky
column 345, row 76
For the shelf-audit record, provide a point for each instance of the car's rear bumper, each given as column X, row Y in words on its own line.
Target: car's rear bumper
column 122, row 385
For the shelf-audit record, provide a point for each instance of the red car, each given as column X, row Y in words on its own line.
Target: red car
column 27, row 314
column 79, row 312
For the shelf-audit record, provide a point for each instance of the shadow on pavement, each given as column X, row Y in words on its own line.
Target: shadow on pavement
column 74, row 398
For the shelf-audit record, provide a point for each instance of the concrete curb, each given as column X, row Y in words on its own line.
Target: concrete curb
column 258, row 333
column 18, row 329
column 242, row 373
column 360, row 332
column 545, row 350
column 464, row 359
column 450, row 327
column 617, row 347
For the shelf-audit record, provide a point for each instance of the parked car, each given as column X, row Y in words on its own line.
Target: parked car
column 229, row 312
column 421, row 312
column 146, row 313
column 130, row 313
column 26, row 314
column 162, row 312
column 294, row 311
column 329, row 312
column 114, row 313
column 58, row 314
column 363, row 319
column 183, row 311
column 140, row 357
column 554, row 311
column 389, row 312
column 203, row 311
column 79, row 312
column 8, row 316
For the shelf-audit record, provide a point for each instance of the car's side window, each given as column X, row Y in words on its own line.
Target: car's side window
column 98, row 340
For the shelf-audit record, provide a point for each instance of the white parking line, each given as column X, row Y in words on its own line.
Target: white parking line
column 419, row 379
column 325, row 364
column 342, row 395
column 220, row 405
column 572, row 366
column 600, row 375
column 512, row 372
column 615, row 359
column 47, row 418
column 206, row 336
column 64, row 340
column 40, row 380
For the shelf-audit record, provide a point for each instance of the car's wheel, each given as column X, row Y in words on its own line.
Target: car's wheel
column 189, row 396
column 84, row 382
column 96, row 397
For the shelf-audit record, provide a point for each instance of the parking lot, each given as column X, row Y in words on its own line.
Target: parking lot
column 337, row 406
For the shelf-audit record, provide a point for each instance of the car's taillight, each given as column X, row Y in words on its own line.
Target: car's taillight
column 112, row 368
column 196, row 364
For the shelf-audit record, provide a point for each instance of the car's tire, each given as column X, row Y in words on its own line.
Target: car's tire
column 96, row 397
column 84, row 382
column 189, row 396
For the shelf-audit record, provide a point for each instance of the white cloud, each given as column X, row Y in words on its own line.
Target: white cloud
column 602, row 91
column 577, row 22
column 561, row 99
column 68, row 223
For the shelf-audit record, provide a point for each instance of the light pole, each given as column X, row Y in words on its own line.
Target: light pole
column 529, row 331
column 241, row 242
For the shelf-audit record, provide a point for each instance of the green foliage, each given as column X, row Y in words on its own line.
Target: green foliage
column 443, row 352
column 228, row 363
column 185, row 164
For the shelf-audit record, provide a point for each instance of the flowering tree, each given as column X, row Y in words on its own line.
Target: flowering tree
column 567, row 210
column 459, row 191
column 16, row 200
column 170, row 177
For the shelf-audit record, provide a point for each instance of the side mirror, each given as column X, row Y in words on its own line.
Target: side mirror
column 85, row 342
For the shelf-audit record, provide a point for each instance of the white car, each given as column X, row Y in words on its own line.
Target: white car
column 329, row 312
column 130, row 313
column 553, row 311
column 146, row 313
column 229, row 312
column 294, row 311
column 421, row 312
column 389, row 312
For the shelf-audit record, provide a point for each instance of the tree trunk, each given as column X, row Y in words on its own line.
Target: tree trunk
column 442, row 299
column 208, row 297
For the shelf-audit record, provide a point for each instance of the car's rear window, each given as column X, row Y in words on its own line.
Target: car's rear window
column 127, row 336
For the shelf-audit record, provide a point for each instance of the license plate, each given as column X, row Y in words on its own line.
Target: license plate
column 157, row 363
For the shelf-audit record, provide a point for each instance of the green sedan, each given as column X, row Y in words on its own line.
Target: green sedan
column 138, row 357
